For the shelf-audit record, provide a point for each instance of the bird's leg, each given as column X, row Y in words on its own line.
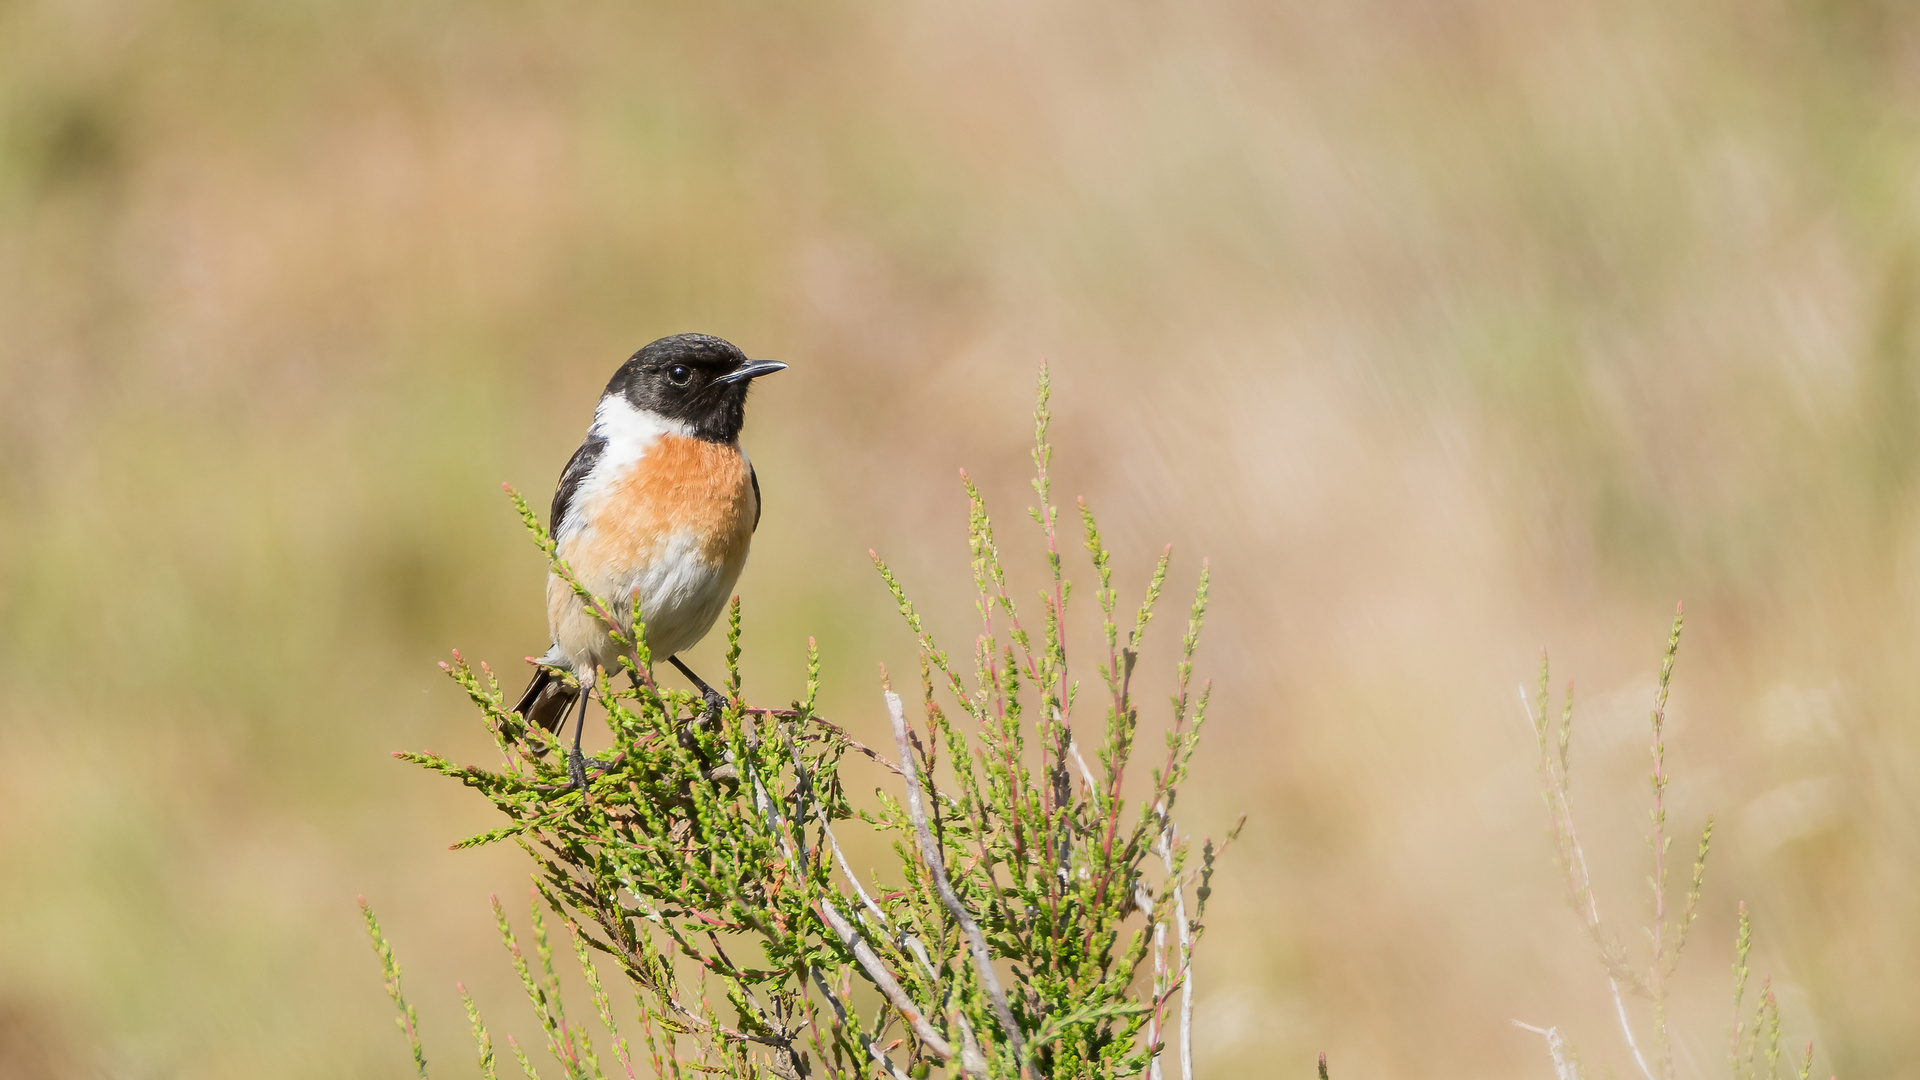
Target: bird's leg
column 715, row 703
column 576, row 761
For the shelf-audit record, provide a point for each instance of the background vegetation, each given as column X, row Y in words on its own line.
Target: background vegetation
column 1446, row 330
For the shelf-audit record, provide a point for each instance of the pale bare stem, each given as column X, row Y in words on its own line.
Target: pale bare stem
column 1086, row 774
column 1185, row 954
column 896, row 995
column 971, row 1059
column 867, row 1043
column 936, row 867
column 1092, row 793
column 1563, row 1066
column 1579, row 885
column 863, row 953
column 1146, row 903
column 907, row 941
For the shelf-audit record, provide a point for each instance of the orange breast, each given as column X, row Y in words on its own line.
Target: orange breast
column 680, row 485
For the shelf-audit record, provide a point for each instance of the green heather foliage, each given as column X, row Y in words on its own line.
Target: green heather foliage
column 1666, row 935
column 1040, row 923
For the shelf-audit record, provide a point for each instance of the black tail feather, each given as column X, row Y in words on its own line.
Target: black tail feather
column 546, row 700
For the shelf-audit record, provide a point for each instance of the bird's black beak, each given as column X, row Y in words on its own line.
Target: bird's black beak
column 752, row 369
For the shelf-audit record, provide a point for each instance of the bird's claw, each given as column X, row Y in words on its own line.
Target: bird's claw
column 577, row 770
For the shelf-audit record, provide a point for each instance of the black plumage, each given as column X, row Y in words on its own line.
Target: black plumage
column 578, row 467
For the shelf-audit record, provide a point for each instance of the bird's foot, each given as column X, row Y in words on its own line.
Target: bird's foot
column 577, row 771
column 715, row 705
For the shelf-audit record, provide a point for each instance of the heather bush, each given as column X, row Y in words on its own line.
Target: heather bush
column 1042, row 913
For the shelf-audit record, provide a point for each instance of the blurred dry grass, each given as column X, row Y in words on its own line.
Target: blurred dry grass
column 1447, row 330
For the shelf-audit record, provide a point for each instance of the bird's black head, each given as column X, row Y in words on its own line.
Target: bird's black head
column 697, row 379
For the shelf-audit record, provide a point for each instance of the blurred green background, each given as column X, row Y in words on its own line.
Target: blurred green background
column 1447, row 330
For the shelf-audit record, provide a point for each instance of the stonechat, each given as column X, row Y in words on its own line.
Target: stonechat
column 654, row 512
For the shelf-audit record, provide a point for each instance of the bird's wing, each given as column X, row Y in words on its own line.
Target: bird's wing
column 572, row 477
column 754, row 478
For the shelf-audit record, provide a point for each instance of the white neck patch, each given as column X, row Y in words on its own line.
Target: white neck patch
column 629, row 433
column 617, row 421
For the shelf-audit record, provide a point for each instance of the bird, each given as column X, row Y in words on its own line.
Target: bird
column 654, row 511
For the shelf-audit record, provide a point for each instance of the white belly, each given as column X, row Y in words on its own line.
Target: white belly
column 681, row 596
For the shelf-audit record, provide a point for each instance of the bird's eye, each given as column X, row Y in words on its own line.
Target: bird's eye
column 678, row 375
